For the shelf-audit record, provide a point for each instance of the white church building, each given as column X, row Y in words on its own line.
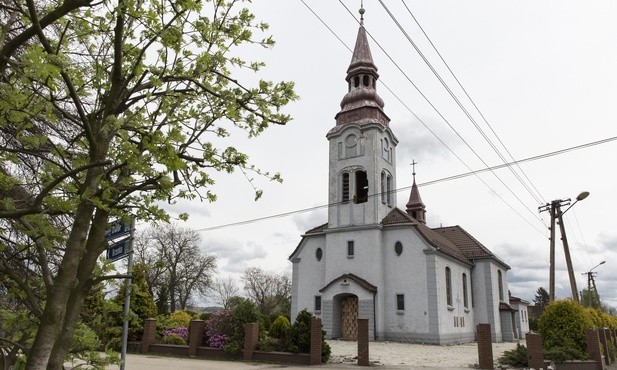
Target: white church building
column 373, row 260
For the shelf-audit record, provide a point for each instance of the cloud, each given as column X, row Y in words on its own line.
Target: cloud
column 415, row 141
column 309, row 220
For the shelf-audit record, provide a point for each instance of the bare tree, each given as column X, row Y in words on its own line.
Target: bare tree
column 179, row 270
column 270, row 292
column 224, row 289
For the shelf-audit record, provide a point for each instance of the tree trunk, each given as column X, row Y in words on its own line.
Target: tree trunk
column 94, row 248
column 52, row 320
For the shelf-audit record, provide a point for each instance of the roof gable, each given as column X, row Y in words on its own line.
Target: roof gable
column 442, row 244
column 363, row 283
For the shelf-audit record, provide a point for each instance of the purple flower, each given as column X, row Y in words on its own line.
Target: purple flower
column 181, row 331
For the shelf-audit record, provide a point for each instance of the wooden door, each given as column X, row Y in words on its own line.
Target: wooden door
column 349, row 311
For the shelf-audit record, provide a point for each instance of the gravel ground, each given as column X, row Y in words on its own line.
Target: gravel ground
column 416, row 355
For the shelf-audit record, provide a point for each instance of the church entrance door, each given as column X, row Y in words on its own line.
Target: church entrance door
column 349, row 319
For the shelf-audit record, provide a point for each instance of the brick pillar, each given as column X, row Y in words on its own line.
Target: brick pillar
column 363, row 342
column 315, row 356
column 196, row 335
column 485, row 346
column 251, row 336
column 604, row 345
column 593, row 347
column 535, row 357
column 149, row 335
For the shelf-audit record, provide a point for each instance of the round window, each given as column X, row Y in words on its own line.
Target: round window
column 398, row 248
column 318, row 254
column 350, row 141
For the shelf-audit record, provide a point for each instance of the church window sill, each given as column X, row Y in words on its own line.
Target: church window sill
column 318, row 312
column 467, row 310
column 450, row 308
column 400, row 312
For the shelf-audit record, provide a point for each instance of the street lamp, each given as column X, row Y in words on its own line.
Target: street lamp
column 591, row 283
column 556, row 213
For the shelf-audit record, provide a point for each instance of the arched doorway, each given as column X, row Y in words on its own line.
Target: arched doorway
column 347, row 316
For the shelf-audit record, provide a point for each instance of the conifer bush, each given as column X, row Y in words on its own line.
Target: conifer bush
column 516, row 357
column 299, row 339
column 562, row 327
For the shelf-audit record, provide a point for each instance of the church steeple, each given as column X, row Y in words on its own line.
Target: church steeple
column 415, row 206
column 362, row 148
column 361, row 104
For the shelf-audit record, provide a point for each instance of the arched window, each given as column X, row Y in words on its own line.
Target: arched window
column 465, row 301
column 500, row 284
column 383, row 187
column 345, row 187
column 356, row 81
column 365, row 80
column 448, row 287
column 389, row 189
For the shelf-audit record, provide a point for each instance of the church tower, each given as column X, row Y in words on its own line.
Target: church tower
column 362, row 169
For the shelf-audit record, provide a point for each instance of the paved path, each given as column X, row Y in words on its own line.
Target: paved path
column 154, row 362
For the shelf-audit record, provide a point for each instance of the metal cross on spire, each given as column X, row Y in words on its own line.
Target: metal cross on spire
column 413, row 166
column 362, row 12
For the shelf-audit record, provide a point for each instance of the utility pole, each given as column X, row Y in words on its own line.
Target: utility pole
column 566, row 251
column 551, row 284
column 556, row 214
column 593, row 298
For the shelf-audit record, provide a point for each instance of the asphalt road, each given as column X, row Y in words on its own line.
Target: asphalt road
column 154, row 362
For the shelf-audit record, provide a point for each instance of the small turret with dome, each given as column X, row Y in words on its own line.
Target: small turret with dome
column 415, row 206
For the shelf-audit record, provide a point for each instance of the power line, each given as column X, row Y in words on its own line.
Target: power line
column 420, row 120
column 478, row 110
column 533, row 213
column 443, row 179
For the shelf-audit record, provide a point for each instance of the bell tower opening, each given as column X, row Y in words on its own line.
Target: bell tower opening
column 361, row 187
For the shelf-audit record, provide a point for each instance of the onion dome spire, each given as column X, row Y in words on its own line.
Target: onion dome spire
column 361, row 104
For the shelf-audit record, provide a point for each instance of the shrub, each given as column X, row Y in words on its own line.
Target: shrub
column 244, row 312
column 516, row 357
column 174, row 339
column 219, row 328
column 560, row 354
column 180, row 318
column 181, row 331
column 270, row 344
column 299, row 339
column 279, row 328
column 562, row 326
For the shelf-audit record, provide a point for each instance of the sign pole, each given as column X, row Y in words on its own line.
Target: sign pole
column 127, row 296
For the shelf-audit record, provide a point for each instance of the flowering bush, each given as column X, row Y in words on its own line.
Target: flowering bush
column 180, row 331
column 218, row 328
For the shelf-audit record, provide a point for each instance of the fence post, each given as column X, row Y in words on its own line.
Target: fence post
column 535, row 357
column 149, row 335
column 196, row 335
column 593, row 347
column 485, row 346
column 315, row 355
column 604, row 345
column 251, row 336
column 363, row 342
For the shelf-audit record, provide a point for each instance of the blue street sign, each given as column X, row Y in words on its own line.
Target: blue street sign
column 117, row 228
column 118, row 250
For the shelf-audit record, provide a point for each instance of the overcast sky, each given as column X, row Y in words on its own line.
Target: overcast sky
column 544, row 76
